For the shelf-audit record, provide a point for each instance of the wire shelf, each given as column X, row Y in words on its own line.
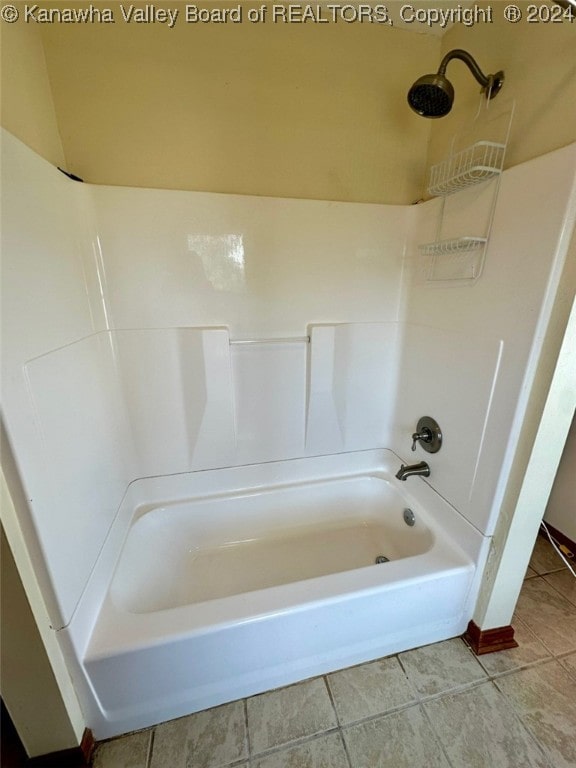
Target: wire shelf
column 477, row 163
column 453, row 245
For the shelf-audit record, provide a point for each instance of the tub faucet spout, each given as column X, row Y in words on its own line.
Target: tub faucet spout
column 409, row 470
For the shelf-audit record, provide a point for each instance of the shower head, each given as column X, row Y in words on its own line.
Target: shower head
column 433, row 95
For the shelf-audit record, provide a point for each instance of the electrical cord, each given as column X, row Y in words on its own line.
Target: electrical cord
column 556, row 546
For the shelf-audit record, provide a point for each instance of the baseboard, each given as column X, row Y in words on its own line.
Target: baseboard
column 559, row 536
column 489, row 640
column 77, row 757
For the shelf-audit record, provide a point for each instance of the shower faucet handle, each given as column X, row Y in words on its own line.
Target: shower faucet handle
column 424, row 436
column 428, row 434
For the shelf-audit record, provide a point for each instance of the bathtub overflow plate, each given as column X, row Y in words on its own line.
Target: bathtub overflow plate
column 409, row 517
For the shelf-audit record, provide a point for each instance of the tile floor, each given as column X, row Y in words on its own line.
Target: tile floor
column 432, row 707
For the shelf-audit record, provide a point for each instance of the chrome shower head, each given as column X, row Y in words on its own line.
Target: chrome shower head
column 433, row 95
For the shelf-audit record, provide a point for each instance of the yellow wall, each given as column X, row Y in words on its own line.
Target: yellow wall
column 26, row 106
column 539, row 63
column 29, row 688
column 291, row 110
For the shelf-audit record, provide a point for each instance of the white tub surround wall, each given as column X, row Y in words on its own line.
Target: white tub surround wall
column 352, row 386
column 117, row 364
column 262, row 267
column 122, row 363
column 469, row 352
column 177, row 389
column 58, row 405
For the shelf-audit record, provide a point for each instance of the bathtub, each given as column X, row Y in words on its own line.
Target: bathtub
column 220, row 584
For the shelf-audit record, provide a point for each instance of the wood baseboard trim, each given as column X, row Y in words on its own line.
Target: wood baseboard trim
column 559, row 536
column 489, row 640
column 77, row 757
column 87, row 745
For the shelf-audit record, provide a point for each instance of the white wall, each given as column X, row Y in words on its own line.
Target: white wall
column 549, row 410
column 118, row 311
column 57, row 375
column 468, row 349
column 561, row 508
column 261, row 268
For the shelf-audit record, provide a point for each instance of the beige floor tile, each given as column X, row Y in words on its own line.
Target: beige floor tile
column 287, row 714
column 125, row 752
column 549, row 615
column 569, row 663
column 441, row 667
column 544, row 557
column 529, row 650
column 479, row 730
column 209, row 739
column 323, row 752
column 544, row 698
column 563, row 582
column 400, row 740
column 370, row 689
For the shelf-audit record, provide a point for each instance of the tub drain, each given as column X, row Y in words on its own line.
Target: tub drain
column 382, row 559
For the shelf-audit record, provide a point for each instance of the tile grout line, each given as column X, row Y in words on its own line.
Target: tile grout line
column 411, row 684
column 248, row 741
column 294, row 743
column 150, row 748
column 554, row 660
column 420, row 700
column 426, row 717
column 386, row 713
column 340, row 731
column 528, row 665
column 525, row 621
column 556, row 588
column 544, row 643
column 454, row 691
column 518, row 621
column 540, row 747
column 564, row 654
column 345, row 746
column 332, row 700
column 547, row 573
column 517, row 717
column 426, row 699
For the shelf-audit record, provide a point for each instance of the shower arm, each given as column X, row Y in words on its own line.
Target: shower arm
column 489, row 83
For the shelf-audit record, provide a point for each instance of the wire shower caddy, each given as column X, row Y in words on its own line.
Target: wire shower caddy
column 481, row 160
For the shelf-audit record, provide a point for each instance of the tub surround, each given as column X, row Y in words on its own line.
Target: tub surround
column 119, row 309
column 137, row 355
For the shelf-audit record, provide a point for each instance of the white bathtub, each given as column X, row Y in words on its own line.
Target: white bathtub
column 234, row 581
